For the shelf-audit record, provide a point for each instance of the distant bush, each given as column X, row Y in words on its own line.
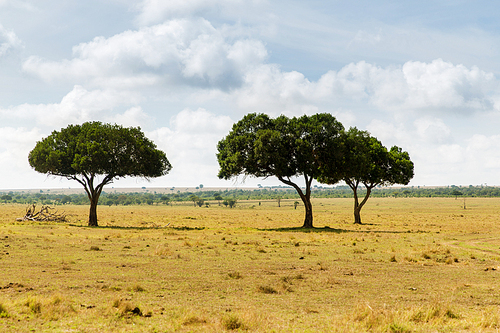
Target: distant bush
column 232, row 196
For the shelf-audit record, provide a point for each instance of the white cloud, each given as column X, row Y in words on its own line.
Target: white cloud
column 443, row 85
column 438, row 159
column 190, row 144
column 483, row 152
column 156, row 11
column 474, row 161
column 268, row 89
column 192, row 53
column 433, row 86
column 132, row 117
column 428, row 88
column 15, row 145
column 390, row 133
column 78, row 106
column 176, row 52
column 432, row 130
column 8, row 41
column 15, row 142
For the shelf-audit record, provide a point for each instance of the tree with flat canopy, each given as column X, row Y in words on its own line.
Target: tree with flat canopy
column 366, row 161
column 95, row 154
column 286, row 148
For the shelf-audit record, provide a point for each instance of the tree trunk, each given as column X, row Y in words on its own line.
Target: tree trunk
column 308, row 220
column 93, row 193
column 353, row 184
column 93, row 213
column 306, row 199
column 357, row 204
column 357, row 207
column 357, row 215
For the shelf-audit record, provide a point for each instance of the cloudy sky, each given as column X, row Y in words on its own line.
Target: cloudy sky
column 423, row 75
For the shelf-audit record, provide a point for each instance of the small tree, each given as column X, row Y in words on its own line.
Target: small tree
column 366, row 161
column 95, row 154
column 218, row 197
column 165, row 199
column 6, row 197
column 231, row 202
column 456, row 193
column 194, row 199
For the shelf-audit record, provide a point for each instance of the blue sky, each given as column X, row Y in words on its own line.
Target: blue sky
column 423, row 75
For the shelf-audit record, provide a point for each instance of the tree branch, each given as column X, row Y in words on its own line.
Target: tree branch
column 108, row 179
column 290, row 183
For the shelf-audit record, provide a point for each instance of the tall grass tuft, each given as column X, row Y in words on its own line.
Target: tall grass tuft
column 137, row 288
column 3, row 311
column 267, row 290
column 490, row 318
column 52, row 308
column 232, row 322
column 56, row 307
column 34, row 305
column 194, row 320
column 401, row 320
column 433, row 312
column 398, row 328
column 126, row 309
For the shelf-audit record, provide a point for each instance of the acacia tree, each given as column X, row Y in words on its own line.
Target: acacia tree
column 95, row 154
column 218, row 197
column 366, row 161
column 282, row 147
column 194, row 198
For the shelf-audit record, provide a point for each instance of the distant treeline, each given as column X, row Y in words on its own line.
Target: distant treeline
column 152, row 198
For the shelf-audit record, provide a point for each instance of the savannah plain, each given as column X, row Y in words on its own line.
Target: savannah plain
column 416, row 265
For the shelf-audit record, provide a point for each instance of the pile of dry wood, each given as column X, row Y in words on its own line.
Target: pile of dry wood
column 45, row 213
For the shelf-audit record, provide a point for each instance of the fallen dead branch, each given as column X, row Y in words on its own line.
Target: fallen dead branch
column 45, row 213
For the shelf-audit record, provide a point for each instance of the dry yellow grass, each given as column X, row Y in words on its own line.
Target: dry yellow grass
column 417, row 265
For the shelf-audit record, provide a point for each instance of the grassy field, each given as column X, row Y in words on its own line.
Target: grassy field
column 416, row 265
